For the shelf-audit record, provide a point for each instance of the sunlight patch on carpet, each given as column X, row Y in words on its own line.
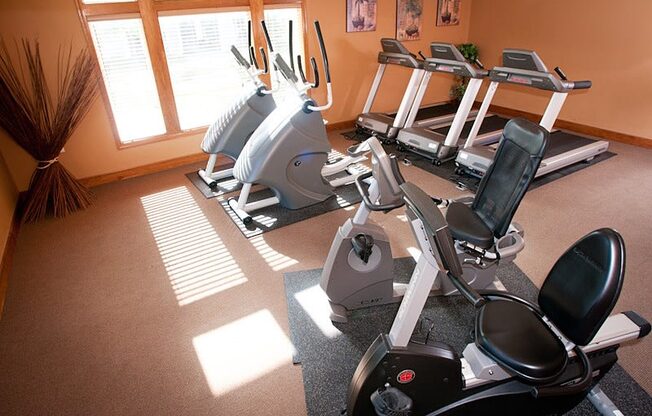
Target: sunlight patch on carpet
column 242, row 351
column 196, row 260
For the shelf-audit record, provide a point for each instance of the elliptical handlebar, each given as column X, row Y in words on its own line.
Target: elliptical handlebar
column 324, row 57
column 291, row 43
column 252, row 66
column 315, row 71
column 265, row 61
column 322, row 48
column 252, row 57
column 301, row 73
column 267, row 38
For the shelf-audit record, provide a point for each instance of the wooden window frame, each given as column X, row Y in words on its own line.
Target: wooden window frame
column 148, row 11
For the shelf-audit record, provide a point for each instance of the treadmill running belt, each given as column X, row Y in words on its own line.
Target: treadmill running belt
column 491, row 123
column 433, row 111
column 562, row 142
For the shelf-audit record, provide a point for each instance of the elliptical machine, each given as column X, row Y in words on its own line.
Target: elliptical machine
column 233, row 127
column 288, row 152
column 533, row 359
column 358, row 270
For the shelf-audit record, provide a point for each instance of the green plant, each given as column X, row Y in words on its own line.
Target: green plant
column 458, row 89
column 470, row 52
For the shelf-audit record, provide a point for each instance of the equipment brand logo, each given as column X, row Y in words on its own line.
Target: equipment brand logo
column 405, row 376
column 370, row 301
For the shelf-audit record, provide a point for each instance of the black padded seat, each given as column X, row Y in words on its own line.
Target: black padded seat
column 514, row 336
column 465, row 225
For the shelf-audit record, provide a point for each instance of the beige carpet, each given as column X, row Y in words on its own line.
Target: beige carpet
column 153, row 303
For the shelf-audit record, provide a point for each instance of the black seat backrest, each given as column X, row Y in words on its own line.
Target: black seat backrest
column 515, row 164
column 584, row 284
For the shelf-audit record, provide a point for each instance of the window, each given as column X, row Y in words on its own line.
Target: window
column 128, row 76
column 166, row 65
column 202, row 69
column 277, row 20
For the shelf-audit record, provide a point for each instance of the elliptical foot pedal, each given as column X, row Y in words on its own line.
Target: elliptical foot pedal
column 390, row 401
column 242, row 214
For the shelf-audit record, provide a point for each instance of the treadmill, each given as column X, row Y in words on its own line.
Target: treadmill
column 387, row 125
column 525, row 67
column 435, row 114
column 440, row 146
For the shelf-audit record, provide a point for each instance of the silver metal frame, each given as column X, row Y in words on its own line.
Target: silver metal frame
column 399, row 120
column 477, row 158
column 375, row 85
column 477, row 368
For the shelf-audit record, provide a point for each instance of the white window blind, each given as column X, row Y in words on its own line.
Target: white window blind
column 277, row 20
column 205, row 77
column 127, row 71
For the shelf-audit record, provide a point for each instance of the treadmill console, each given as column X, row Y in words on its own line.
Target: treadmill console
column 446, row 51
column 523, row 59
column 524, row 67
column 394, row 53
column 447, row 58
column 393, row 46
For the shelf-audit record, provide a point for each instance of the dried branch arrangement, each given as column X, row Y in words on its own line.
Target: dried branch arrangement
column 42, row 126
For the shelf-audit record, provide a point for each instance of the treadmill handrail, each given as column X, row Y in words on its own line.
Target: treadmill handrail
column 542, row 80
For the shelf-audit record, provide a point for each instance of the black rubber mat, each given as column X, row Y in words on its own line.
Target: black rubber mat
column 230, row 184
column 356, row 135
column 329, row 353
column 447, row 169
column 275, row 217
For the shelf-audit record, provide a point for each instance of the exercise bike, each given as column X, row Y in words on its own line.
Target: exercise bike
column 527, row 358
column 358, row 270
column 288, row 152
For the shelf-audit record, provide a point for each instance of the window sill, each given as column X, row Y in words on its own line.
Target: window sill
column 160, row 138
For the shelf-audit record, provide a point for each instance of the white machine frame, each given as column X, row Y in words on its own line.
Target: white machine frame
column 404, row 109
column 477, row 368
column 474, row 150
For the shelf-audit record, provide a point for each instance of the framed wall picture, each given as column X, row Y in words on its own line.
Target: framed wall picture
column 361, row 15
column 448, row 12
column 408, row 19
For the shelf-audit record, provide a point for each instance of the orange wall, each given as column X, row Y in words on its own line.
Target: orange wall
column 353, row 56
column 605, row 41
column 92, row 151
column 8, row 198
